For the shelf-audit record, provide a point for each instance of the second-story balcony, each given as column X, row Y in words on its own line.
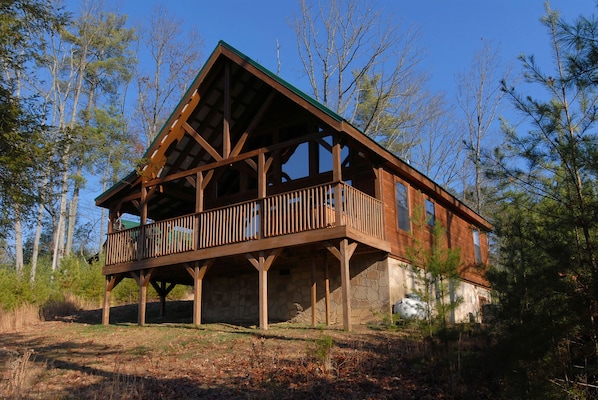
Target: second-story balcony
column 295, row 218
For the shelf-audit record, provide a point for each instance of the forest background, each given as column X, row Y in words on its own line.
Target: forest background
column 83, row 91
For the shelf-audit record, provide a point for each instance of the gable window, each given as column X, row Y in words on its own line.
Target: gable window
column 402, row 197
column 430, row 213
column 476, row 246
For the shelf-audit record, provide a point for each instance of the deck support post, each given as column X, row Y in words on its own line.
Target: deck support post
column 314, row 298
column 162, row 291
column 263, row 263
column 109, row 284
column 327, row 292
column 143, row 279
column 197, row 273
column 343, row 253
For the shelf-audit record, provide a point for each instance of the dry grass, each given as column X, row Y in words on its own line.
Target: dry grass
column 28, row 314
column 69, row 305
column 20, row 374
column 19, row 318
column 78, row 358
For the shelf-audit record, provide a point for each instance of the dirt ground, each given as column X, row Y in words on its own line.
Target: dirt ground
column 78, row 358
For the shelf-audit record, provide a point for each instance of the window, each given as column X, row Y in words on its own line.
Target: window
column 430, row 213
column 476, row 246
column 403, row 221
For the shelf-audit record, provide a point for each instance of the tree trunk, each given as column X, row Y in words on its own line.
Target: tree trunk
column 73, row 209
column 36, row 238
column 18, row 240
column 58, row 251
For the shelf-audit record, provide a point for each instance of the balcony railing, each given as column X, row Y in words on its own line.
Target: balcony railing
column 283, row 214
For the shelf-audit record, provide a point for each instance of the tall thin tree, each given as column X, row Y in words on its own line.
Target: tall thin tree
column 174, row 59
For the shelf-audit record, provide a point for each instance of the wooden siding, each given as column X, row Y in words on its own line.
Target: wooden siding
column 459, row 233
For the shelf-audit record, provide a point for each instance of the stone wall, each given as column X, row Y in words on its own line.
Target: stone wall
column 231, row 294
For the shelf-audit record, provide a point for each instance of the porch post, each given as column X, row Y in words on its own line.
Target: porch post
column 142, row 304
column 142, row 222
column 263, row 263
column 110, row 282
column 106, row 308
column 344, row 253
column 197, row 273
column 327, row 293
column 337, row 177
column 162, row 291
column 197, row 287
column 263, row 294
column 262, row 185
column 314, row 298
column 143, row 279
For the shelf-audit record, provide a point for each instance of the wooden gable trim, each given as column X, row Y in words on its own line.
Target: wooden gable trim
column 187, row 104
column 175, row 128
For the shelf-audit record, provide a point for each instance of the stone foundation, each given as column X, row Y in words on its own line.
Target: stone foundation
column 403, row 281
column 230, row 294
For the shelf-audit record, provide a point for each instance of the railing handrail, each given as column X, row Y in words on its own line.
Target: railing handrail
column 273, row 215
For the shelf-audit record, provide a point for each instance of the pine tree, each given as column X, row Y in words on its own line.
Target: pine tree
column 436, row 269
column 22, row 25
column 548, row 225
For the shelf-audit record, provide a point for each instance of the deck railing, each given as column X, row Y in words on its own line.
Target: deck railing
column 175, row 235
column 232, row 224
column 121, row 246
column 299, row 211
column 283, row 214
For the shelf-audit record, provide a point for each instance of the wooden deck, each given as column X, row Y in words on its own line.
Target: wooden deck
column 288, row 215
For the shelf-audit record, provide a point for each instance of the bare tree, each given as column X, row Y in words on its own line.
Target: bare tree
column 362, row 65
column 340, row 43
column 174, row 63
column 438, row 152
column 479, row 96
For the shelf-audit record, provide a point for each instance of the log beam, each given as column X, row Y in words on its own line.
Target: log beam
column 343, row 253
column 163, row 289
column 262, row 263
column 327, row 293
column 226, row 141
column 109, row 284
column 202, row 142
column 314, row 298
column 197, row 273
column 142, row 278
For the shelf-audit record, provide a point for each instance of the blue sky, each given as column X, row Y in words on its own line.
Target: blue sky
column 450, row 31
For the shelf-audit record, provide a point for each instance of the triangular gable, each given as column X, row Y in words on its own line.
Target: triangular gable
column 171, row 130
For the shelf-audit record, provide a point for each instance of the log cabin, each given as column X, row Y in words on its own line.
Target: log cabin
column 274, row 208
